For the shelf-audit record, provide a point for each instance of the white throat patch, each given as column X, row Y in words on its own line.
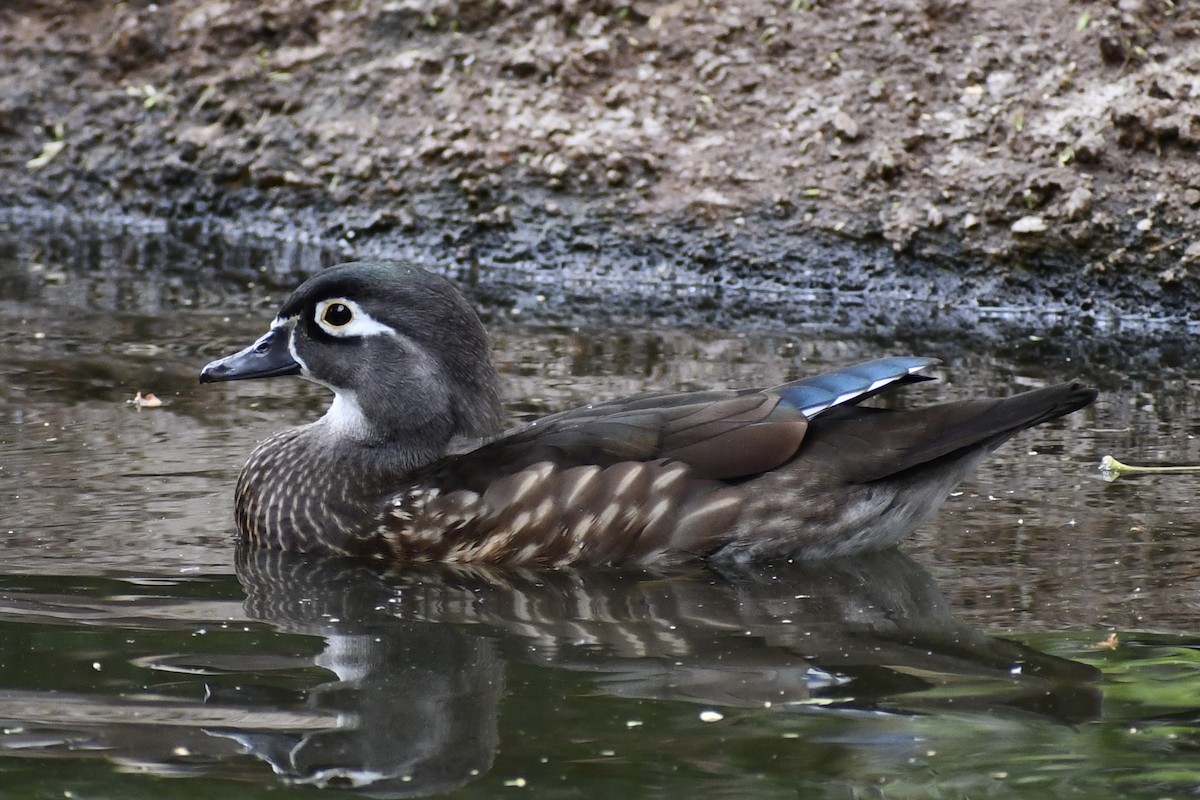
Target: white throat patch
column 345, row 417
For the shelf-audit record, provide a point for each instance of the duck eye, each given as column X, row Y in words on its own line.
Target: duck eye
column 337, row 314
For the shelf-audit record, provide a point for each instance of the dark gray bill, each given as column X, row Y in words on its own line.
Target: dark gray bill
column 266, row 358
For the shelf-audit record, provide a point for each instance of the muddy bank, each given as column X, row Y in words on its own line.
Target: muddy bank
column 878, row 163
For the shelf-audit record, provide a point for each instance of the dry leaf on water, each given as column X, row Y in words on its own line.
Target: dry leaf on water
column 147, row 400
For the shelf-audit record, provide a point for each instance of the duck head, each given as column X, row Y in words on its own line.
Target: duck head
column 401, row 349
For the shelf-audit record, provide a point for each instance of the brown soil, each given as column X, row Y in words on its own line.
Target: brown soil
column 1020, row 144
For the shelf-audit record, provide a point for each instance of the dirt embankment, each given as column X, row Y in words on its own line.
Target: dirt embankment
column 1017, row 147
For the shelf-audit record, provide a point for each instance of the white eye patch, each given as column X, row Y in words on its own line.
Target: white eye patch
column 339, row 316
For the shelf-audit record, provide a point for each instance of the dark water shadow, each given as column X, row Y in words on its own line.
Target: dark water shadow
column 421, row 654
column 146, row 266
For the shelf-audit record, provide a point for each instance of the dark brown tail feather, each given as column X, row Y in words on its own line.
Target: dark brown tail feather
column 872, row 444
column 1011, row 415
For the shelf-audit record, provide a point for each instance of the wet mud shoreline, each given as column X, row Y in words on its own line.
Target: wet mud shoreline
column 883, row 166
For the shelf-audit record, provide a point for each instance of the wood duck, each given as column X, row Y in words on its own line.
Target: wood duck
column 409, row 463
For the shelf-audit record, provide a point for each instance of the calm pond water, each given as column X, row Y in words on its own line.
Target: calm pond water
column 1040, row 636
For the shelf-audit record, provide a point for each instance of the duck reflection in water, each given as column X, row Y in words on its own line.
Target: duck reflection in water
column 421, row 653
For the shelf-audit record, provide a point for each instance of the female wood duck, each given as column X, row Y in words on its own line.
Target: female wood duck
column 409, row 463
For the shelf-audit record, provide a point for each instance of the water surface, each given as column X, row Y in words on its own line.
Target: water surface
column 139, row 646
